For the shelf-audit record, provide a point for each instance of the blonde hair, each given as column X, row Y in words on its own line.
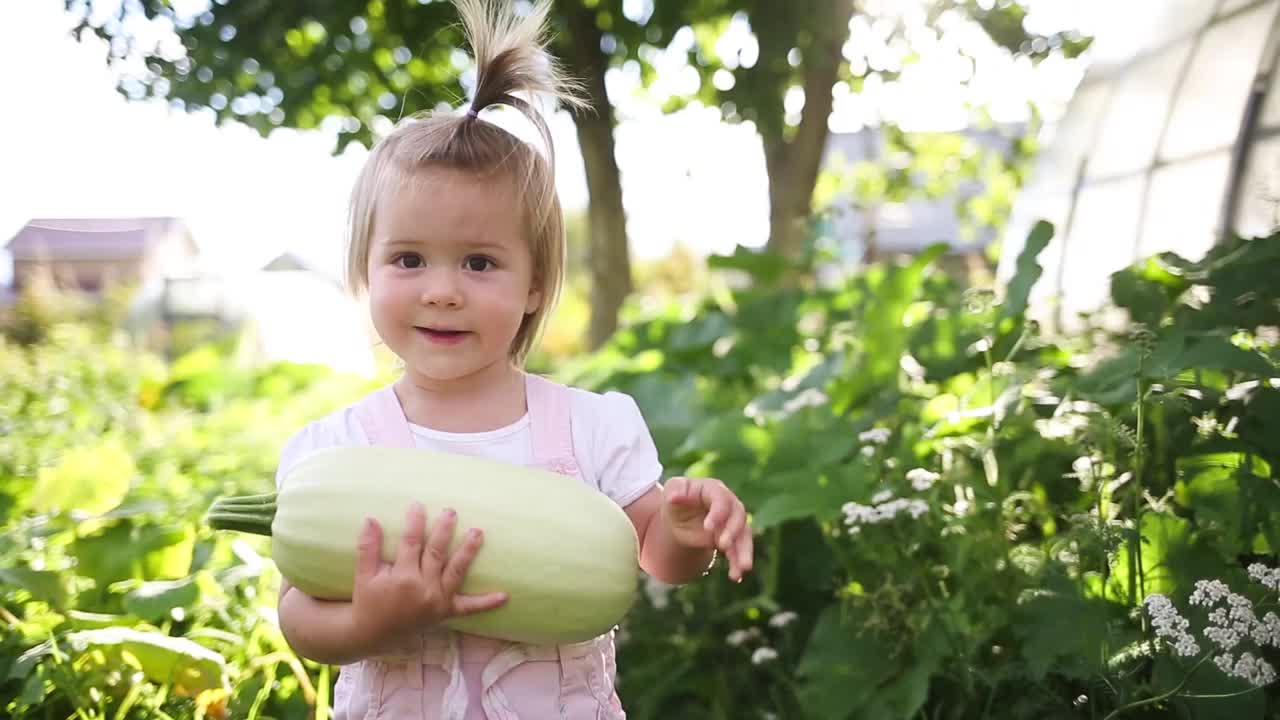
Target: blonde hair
column 511, row 60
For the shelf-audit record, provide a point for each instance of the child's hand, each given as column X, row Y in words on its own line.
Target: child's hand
column 704, row 513
column 421, row 587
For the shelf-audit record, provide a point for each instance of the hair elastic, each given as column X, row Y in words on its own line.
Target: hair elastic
column 472, row 112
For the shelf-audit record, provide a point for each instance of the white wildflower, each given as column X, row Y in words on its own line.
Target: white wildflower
column 1232, row 622
column 1252, row 669
column 763, row 655
column 856, row 514
column 1209, row 592
column 868, row 451
column 1267, row 577
column 884, row 510
column 922, row 479
column 1267, row 632
column 739, row 637
column 1082, row 466
column 782, row 619
column 1171, row 626
column 874, row 436
column 1226, row 638
column 1060, row 427
column 882, row 497
column 914, row 508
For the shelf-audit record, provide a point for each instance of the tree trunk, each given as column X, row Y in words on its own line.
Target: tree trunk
column 608, row 257
column 794, row 164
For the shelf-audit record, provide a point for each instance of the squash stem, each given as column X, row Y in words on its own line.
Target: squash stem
column 255, row 519
column 260, row 499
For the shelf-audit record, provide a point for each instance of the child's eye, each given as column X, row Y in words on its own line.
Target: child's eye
column 478, row 263
column 409, row 261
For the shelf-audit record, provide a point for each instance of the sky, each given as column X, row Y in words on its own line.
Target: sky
column 72, row 146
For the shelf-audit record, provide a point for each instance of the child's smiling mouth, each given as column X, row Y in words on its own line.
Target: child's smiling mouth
column 441, row 335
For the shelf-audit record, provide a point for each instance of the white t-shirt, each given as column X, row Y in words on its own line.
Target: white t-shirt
column 611, row 443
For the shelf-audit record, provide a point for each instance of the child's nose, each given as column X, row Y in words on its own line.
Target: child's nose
column 442, row 288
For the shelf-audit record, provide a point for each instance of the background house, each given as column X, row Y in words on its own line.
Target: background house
column 286, row 309
column 869, row 230
column 93, row 254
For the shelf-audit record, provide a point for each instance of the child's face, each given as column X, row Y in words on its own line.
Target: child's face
column 450, row 275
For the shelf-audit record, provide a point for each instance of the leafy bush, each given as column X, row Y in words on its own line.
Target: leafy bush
column 958, row 514
column 116, row 600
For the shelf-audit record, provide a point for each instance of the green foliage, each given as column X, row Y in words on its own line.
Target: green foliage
column 956, row 514
column 1039, row 488
column 362, row 62
column 116, row 600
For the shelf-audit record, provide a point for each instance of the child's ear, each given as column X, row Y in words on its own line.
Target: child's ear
column 534, row 302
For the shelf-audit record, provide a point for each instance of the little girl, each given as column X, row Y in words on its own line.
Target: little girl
column 456, row 235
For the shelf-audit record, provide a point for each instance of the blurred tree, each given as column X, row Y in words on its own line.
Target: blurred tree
column 805, row 45
column 359, row 64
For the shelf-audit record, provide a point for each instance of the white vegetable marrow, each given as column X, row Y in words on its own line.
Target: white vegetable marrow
column 566, row 555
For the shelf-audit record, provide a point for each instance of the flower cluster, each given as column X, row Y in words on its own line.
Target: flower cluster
column 883, row 507
column 1171, row 626
column 921, row 479
column 874, row 436
column 1232, row 623
column 763, row 653
column 1267, row 577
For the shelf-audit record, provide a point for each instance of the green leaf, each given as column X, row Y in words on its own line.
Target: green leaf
column 126, row 550
column 1172, row 556
column 670, row 406
column 763, row 267
column 1179, row 351
column 804, row 500
column 804, row 493
column 92, row 480
column 842, row 666
column 1028, row 270
column 881, row 329
column 44, row 585
column 1061, row 631
column 163, row 659
column 1211, row 488
column 153, row 601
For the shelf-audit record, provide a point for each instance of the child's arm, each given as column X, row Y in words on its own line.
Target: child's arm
column 418, row 590
column 681, row 525
column 320, row 630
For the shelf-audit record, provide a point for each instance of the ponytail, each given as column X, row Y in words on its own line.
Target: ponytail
column 511, row 60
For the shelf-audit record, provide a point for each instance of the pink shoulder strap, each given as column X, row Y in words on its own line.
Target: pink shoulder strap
column 383, row 419
column 550, row 424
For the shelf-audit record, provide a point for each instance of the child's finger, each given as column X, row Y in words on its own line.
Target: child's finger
column 470, row 604
column 411, row 541
column 719, row 506
column 676, row 489
column 733, row 526
column 369, row 550
column 738, row 553
column 744, row 550
column 436, row 554
column 455, row 571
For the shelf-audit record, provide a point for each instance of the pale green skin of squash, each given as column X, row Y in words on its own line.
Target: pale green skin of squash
column 566, row 555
